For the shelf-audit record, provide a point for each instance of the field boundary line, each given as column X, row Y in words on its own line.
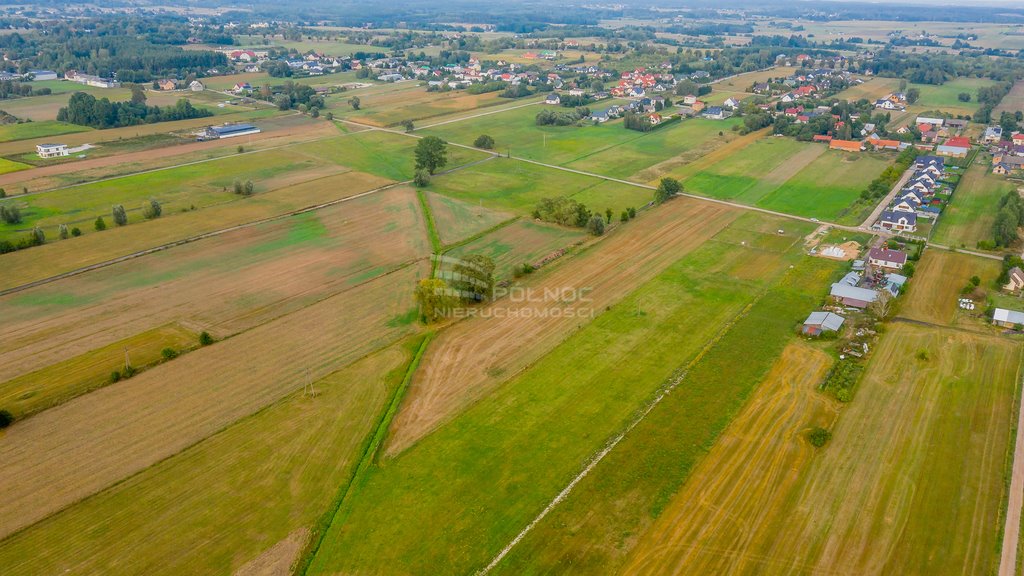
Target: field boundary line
column 369, row 456
column 665, row 390
column 195, row 238
column 1015, row 499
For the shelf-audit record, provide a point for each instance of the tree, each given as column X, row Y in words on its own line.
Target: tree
column 408, row 125
column 99, row 225
column 240, row 149
column 152, row 210
column 912, row 95
column 3, row 193
column 314, row 112
column 484, row 141
column 63, row 232
column 596, row 225
column 38, row 237
column 354, row 102
column 963, row 97
column 819, row 436
column 248, row 188
column 6, row 419
column 608, row 215
column 421, row 178
column 1005, row 227
column 435, row 298
column 473, row 277
column 975, row 280
column 76, row 232
column 624, row 217
column 237, row 186
column 205, row 339
column 169, row 353
column 119, row 215
column 138, row 94
column 10, row 214
column 632, row 213
column 882, row 305
column 431, row 154
column 667, row 188
column 329, row 116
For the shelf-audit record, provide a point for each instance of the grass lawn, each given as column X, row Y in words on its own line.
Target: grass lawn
column 393, row 103
column 457, row 220
column 223, row 502
column 972, row 209
column 512, row 185
column 747, row 175
column 27, row 130
column 487, row 473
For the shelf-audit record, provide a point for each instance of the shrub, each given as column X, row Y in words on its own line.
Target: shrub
column 119, row 215
column 99, row 225
column 484, row 141
column 596, row 225
column 76, row 232
column 10, row 214
column 115, row 376
column 6, row 419
column 152, row 210
column 205, row 339
column 169, row 353
column 818, row 436
column 421, row 178
column 241, row 149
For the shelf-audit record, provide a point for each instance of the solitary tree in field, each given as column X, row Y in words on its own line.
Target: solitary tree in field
column 63, row 232
column 667, row 188
column 484, row 141
column 408, row 125
column 205, row 339
column 431, row 154
column 608, row 215
column 10, row 214
column 76, row 232
column 99, row 225
column 119, row 215
column 354, row 102
column 6, row 418
column 152, row 210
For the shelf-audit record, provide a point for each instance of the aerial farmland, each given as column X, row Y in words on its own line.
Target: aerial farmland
column 473, row 289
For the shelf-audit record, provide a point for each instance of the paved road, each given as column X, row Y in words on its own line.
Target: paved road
column 888, row 198
column 1011, row 530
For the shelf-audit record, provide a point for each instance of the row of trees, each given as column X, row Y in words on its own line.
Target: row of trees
column 1009, row 219
column 86, row 110
column 548, row 117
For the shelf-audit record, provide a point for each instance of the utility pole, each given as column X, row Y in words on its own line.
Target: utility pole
column 127, row 360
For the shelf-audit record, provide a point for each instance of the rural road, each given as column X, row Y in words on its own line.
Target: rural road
column 1011, row 530
column 888, row 198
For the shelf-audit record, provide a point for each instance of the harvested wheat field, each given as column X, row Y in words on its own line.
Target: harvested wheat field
column 84, row 446
column 725, row 505
column 223, row 285
column 929, row 428
column 938, row 280
column 471, row 358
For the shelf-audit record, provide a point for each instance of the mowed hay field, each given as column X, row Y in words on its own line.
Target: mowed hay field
column 457, row 220
column 1012, row 102
column 489, row 471
column 594, row 529
column 392, row 104
column 249, row 491
column 10, row 132
column 789, row 176
column 608, row 149
column 749, row 472
column 920, row 436
column 223, row 285
column 510, row 185
column 938, row 279
column 944, row 96
column 518, row 334
column 83, row 446
column 970, row 214
column 522, row 242
column 872, row 89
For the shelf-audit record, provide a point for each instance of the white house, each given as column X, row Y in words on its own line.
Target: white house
column 196, row 86
column 52, row 150
column 885, row 258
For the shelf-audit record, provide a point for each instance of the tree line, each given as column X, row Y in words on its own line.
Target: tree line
column 87, row 110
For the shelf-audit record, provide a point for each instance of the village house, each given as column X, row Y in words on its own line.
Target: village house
column 1016, row 280
column 553, row 99
column 957, row 147
column 898, row 221
column 818, row 322
column 196, row 86
column 166, row 84
column 887, row 258
column 845, row 145
column 993, row 135
column 52, row 150
column 714, row 113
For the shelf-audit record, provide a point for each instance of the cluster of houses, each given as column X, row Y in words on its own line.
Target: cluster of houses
column 312, row 63
column 1007, row 153
column 168, row 84
column 894, row 102
column 864, row 284
column 91, row 80
column 639, row 82
column 919, row 196
column 803, row 85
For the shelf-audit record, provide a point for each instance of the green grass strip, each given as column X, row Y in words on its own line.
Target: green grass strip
column 369, row 456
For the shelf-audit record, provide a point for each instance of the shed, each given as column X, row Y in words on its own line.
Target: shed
column 1008, row 318
column 819, row 322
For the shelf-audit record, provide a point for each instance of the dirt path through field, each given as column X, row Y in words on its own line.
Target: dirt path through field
column 470, row 359
column 726, row 502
